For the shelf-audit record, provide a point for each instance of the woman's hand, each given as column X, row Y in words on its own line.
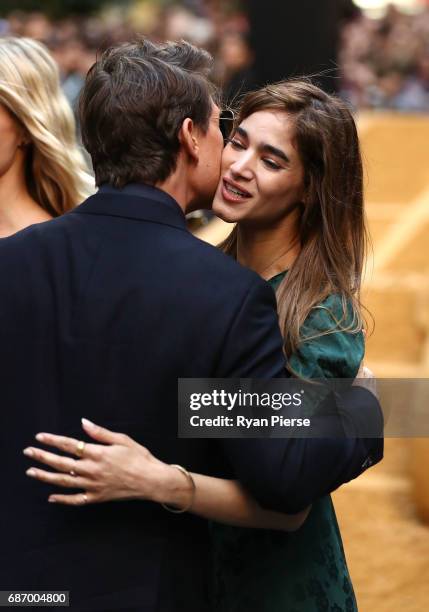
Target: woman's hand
column 119, row 468
column 366, row 378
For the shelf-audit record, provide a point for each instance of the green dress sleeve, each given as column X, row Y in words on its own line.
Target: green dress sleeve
column 328, row 349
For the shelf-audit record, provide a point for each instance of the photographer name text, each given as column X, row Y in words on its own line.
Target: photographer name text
column 247, row 422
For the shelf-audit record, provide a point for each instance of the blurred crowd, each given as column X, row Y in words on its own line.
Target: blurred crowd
column 384, row 62
column 74, row 41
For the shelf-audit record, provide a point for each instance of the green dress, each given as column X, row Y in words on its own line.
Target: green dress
column 256, row 570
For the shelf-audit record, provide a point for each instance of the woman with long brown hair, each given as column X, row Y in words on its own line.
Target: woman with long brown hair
column 310, row 215
column 291, row 180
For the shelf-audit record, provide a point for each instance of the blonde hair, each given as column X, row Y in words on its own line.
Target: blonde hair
column 30, row 89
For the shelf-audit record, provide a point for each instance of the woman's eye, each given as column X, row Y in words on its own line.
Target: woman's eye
column 271, row 164
column 236, row 144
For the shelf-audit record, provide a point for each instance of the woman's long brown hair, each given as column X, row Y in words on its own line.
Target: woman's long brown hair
column 332, row 229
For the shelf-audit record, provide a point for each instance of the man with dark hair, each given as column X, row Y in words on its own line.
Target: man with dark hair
column 134, row 104
column 103, row 309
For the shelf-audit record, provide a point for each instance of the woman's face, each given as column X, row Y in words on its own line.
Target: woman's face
column 262, row 176
column 11, row 137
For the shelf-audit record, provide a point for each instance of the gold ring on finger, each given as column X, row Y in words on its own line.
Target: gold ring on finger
column 80, row 448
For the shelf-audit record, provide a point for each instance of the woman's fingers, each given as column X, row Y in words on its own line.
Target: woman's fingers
column 82, row 449
column 70, row 445
column 101, row 434
column 80, row 499
column 367, row 372
column 62, row 464
column 61, row 480
column 106, row 471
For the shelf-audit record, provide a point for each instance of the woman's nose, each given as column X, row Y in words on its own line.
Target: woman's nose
column 243, row 167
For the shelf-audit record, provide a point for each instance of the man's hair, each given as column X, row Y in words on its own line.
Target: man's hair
column 134, row 101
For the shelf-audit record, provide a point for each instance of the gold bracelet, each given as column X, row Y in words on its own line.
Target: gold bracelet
column 191, row 480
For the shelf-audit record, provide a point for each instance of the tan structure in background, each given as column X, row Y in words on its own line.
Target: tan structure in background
column 419, row 464
column 382, row 514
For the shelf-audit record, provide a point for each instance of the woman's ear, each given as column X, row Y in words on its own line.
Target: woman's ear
column 25, row 139
column 305, row 200
column 188, row 139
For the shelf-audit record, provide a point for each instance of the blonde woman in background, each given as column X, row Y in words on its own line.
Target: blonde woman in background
column 42, row 171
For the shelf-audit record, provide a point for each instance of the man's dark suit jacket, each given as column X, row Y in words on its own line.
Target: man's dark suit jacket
column 101, row 311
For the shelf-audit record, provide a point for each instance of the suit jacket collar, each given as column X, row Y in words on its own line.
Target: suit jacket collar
column 141, row 202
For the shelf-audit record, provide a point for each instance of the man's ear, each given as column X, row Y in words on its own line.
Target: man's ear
column 188, row 139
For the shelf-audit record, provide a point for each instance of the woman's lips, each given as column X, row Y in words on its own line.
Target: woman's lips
column 233, row 193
